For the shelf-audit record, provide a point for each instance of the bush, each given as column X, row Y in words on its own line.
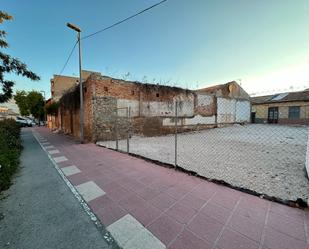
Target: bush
column 10, row 148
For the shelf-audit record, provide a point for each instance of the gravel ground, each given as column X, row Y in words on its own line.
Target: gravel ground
column 269, row 159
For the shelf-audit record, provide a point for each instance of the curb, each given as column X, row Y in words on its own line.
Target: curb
column 106, row 235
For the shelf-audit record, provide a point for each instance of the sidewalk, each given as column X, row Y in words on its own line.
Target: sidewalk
column 39, row 210
column 144, row 205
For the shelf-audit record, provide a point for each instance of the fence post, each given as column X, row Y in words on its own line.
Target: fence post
column 116, row 129
column 176, row 120
column 128, row 131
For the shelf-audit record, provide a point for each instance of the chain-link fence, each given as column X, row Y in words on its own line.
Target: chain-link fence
column 257, row 147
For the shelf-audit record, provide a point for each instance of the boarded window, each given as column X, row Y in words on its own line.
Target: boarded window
column 294, row 112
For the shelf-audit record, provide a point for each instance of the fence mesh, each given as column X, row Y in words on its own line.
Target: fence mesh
column 262, row 149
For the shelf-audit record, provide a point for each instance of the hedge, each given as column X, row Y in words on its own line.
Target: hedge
column 10, row 149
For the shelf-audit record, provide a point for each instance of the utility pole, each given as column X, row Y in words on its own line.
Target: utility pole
column 45, row 116
column 81, row 108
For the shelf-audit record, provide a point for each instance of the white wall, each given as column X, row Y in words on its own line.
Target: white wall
column 204, row 100
column 226, row 110
column 198, row 119
column 123, row 103
column 243, row 111
column 154, row 108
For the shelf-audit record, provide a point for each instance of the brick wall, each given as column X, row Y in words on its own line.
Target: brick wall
column 152, row 109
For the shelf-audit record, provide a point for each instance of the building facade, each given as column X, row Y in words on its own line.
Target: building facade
column 148, row 109
column 282, row 108
column 9, row 110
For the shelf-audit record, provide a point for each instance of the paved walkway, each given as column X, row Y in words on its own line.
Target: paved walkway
column 40, row 212
column 148, row 206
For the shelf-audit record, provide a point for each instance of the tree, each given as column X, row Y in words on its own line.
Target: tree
column 10, row 65
column 22, row 102
column 30, row 103
column 52, row 108
column 36, row 104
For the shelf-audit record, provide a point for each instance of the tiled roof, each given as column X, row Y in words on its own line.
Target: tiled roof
column 282, row 97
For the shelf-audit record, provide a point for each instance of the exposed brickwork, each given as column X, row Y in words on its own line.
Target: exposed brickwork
column 151, row 108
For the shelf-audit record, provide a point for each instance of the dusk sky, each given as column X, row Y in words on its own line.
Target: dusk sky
column 190, row 44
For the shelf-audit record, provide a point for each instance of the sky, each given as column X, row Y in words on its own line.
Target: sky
column 264, row 45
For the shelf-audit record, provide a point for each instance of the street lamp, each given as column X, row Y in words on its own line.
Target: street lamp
column 81, row 115
column 45, row 116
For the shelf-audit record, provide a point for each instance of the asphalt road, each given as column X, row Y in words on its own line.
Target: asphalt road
column 40, row 211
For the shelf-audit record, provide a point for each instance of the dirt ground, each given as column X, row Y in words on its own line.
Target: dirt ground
column 269, row 159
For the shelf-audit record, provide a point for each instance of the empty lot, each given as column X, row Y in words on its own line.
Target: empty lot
column 269, row 159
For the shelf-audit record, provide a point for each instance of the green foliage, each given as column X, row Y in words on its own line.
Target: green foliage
column 30, row 103
column 22, row 103
column 52, row 108
column 10, row 65
column 36, row 104
column 10, row 148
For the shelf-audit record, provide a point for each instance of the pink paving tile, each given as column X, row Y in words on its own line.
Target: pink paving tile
column 192, row 201
column 225, row 199
column 287, row 225
column 295, row 213
column 131, row 184
column 204, row 190
column 108, row 186
column 110, row 214
column 146, row 213
column 78, row 178
column 250, row 201
column 132, row 202
column 256, row 214
column 277, row 240
column 219, row 213
column 165, row 229
column 247, row 227
column 234, row 240
column 147, row 179
column 100, row 202
column 148, row 193
column 160, row 185
column 181, row 213
column 176, row 192
column 188, row 240
column 162, row 201
column 205, row 227
column 119, row 193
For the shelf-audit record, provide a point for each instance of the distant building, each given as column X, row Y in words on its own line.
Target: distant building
column 9, row 110
column 59, row 84
column 282, row 108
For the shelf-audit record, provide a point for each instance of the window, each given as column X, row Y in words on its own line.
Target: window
column 294, row 112
column 158, row 95
column 105, row 89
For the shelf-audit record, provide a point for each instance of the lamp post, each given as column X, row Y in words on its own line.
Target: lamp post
column 45, row 116
column 81, row 115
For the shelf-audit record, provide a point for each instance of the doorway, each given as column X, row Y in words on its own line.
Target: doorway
column 273, row 115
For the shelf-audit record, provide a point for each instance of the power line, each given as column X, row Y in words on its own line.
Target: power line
column 106, row 28
column 124, row 20
column 69, row 57
column 67, row 61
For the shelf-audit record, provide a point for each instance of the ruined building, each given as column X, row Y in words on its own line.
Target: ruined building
column 148, row 109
